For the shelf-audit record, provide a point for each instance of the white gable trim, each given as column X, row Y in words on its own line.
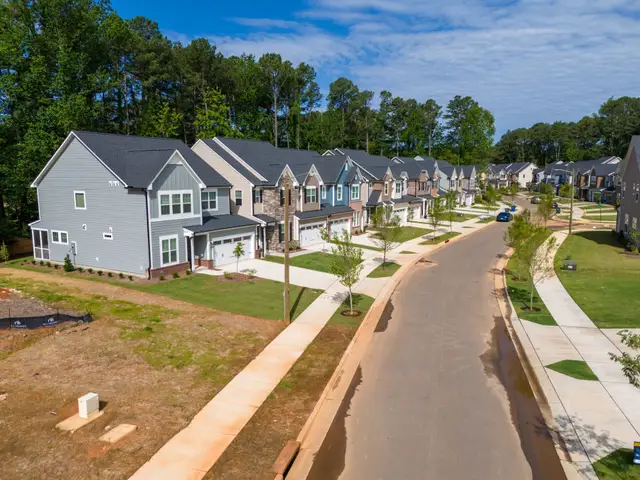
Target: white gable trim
column 182, row 162
column 364, row 169
column 313, row 170
column 59, row 152
column 286, row 169
column 237, row 157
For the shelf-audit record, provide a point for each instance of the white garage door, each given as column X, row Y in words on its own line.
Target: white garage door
column 310, row 234
column 402, row 214
column 416, row 212
column 222, row 250
column 338, row 227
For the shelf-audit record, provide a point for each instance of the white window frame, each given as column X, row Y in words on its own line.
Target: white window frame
column 107, row 235
column 84, row 197
column 386, row 188
column 172, row 215
column 315, row 194
column 398, row 188
column 208, row 191
column 323, row 191
column 169, row 238
column 357, row 190
column 339, row 192
column 356, row 219
column 235, row 198
column 41, row 248
column 59, row 234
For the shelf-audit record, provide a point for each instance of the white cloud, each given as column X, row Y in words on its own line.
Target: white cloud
column 526, row 60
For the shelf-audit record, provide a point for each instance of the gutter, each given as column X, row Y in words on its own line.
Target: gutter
column 146, row 212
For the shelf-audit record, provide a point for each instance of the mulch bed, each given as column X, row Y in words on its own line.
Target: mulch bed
column 237, row 278
column 347, row 313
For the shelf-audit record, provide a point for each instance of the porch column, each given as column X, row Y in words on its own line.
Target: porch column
column 207, row 252
column 264, row 240
column 193, row 253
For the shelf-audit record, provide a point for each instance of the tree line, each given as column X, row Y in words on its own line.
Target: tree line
column 76, row 64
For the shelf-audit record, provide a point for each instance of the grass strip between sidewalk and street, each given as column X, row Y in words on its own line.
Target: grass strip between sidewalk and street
column 440, row 238
column 518, row 287
column 574, row 368
column 318, row 261
column 359, row 245
column 281, row 417
column 617, row 465
column 384, row 270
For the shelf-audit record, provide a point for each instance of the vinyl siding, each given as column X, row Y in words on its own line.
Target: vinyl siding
column 109, row 206
column 223, row 203
column 175, row 177
column 238, row 181
column 168, row 228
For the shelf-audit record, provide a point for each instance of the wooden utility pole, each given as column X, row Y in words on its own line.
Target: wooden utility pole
column 573, row 182
column 286, row 293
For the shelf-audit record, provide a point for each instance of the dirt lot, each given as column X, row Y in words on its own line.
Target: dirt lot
column 155, row 364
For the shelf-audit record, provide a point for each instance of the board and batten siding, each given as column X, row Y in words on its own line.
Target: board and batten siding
column 238, row 181
column 110, row 208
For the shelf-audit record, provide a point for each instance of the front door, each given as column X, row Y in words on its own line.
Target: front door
column 40, row 244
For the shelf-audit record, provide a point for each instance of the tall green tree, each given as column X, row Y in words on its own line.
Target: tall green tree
column 212, row 116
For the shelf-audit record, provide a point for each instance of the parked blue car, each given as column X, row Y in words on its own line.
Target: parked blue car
column 504, row 217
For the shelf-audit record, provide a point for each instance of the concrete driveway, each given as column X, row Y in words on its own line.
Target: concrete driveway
column 440, row 392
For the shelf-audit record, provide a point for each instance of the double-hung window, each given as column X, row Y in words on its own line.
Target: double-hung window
column 59, row 237
column 356, row 219
column 175, row 204
column 398, row 188
column 257, row 195
column 386, row 188
column 339, row 192
column 239, row 198
column 169, row 250
column 80, row 200
column 210, row 200
column 310, row 195
column 355, row 192
column 323, row 191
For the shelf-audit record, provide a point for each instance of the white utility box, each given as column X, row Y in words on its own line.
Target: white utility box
column 88, row 404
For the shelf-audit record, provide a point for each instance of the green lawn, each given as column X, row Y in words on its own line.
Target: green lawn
column 617, row 465
column 409, row 233
column 597, row 208
column 607, row 281
column 460, row 218
column 574, row 368
column 260, row 298
column 407, row 252
column 384, row 270
column 366, row 247
column 318, row 261
column 518, row 287
column 440, row 238
column 360, row 302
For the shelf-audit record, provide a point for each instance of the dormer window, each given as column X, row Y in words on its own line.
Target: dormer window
column 386, row 188
column 398, row 188
column 355, row 192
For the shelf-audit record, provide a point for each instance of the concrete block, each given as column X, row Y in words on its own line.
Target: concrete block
column 75, row 422
column 118, row 433
column 88, row 404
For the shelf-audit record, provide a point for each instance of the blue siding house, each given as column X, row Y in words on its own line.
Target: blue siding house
column 137, row 205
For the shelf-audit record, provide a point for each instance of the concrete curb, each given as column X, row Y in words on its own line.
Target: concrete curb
column 540, row 383
column 317, row 425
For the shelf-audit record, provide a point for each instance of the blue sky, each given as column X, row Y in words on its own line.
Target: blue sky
column 525, row 60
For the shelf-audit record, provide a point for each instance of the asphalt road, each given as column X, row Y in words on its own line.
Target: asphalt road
column 440, row 393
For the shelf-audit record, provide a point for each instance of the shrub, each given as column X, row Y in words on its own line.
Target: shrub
column 56, row 266
column 251, row 272
column 49, row 264
column 4, row 252
column 90, row 270
column 161, row 277
column 294, row 245
column 41, row 263
column 176, row 275
column 131, row 278
column 121, row 275
column 228, row 275
column 68, row 266
column 188, row 272
column 100, row 273
column 80, row 269
column 33, row 262
column 110, row 274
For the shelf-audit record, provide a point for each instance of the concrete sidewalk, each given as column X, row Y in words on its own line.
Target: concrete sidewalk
column 594, row 418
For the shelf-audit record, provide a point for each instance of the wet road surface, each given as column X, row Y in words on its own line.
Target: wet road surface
column 440, row 393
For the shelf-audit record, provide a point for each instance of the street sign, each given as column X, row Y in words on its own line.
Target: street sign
column 636, row 453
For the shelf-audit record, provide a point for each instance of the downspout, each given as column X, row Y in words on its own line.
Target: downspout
column 146, row 204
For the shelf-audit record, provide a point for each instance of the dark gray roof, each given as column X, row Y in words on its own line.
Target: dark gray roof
column 517, row 166
column 406, row 199
column 467, row 170
column 325, row 211
column 374, row 198
column 446, row 169
column 428, row 196
column 242, row 170
column 603, row 170
column 265, row 218
column 137, row 160
column 222, row 222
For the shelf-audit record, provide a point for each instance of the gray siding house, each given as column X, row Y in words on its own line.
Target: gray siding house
column 629, row 173
column 138, row 205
